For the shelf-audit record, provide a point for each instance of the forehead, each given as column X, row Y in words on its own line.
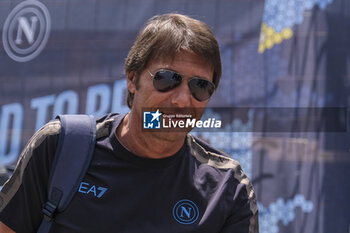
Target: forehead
column 186, row 63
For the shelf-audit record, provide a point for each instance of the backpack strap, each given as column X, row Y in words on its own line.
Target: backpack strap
column 74, row 152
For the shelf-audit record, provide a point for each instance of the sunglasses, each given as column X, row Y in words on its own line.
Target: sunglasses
column 166, row 80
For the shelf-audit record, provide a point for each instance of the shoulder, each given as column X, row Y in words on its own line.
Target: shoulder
column 206, row 154
column 105, row 124
column 35, row 158
column 49, row 132
column 243, row 189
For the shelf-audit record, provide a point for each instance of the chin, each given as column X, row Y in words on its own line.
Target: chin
column 171, row 136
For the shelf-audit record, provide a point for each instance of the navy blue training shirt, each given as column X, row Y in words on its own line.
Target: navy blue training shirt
column 196, row 190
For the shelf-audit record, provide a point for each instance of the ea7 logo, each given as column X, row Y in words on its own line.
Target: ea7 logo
column 87, row 188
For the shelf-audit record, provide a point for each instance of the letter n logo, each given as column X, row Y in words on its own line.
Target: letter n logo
column 29, row 30
column 26, row 30
column 185, row 212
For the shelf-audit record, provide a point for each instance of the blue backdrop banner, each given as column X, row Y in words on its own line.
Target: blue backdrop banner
column 67, row 56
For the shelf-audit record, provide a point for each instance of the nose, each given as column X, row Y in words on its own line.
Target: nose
column 181, row 96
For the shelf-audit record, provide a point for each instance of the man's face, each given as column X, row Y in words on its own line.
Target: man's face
column 146, row 96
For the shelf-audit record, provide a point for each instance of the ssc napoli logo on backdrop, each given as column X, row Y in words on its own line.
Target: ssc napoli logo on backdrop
column 185, row 212
column 26, row 30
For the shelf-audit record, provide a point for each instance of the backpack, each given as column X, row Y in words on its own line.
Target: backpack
column 70, row 164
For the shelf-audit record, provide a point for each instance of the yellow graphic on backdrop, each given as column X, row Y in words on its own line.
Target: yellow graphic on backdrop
column 269, row 37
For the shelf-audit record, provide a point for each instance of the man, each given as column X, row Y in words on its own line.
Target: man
column 155, row 181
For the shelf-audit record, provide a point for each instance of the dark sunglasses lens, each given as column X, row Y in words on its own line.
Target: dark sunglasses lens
column 165, row 80
column 201, row 89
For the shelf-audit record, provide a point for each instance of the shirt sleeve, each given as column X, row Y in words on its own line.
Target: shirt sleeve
column 244, row 217
column 23, row 195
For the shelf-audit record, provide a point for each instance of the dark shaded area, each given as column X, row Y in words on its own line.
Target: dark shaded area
column 336, row 189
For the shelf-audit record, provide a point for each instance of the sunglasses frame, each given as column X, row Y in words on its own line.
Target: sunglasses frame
column 181, row 76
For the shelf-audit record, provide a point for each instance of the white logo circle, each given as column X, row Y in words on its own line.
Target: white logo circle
column 26, row 30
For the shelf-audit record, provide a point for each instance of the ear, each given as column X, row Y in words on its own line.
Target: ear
column 131, row 81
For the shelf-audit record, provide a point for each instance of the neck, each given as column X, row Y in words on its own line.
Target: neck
column 155, row 145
